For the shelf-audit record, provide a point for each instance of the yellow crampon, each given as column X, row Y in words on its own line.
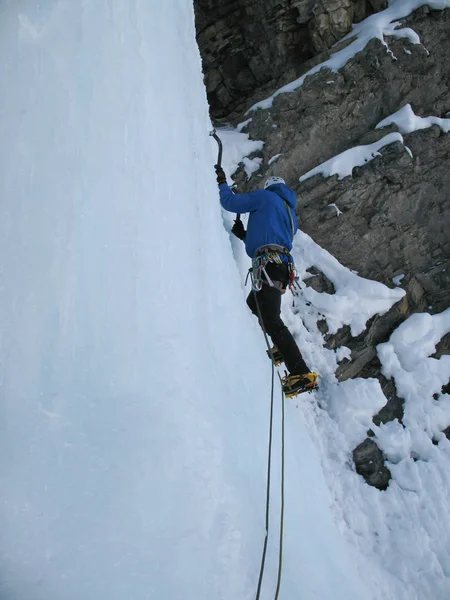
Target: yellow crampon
column 297, row 384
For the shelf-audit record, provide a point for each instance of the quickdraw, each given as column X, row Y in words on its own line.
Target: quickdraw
column 258, row 272
column 258, row 268
column 292, row 274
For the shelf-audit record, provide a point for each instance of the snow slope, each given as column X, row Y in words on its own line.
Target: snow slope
column 134, row 383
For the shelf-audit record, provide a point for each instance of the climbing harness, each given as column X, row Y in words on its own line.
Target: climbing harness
column 270, row 254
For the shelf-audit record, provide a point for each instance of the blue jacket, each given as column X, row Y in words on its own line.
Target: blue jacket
column 268, row 222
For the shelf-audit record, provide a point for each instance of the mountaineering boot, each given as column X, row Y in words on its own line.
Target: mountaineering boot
column 296, row 384
column 275, row 355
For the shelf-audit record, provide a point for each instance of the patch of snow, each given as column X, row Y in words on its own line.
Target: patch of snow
column 356, row 299
column 274, row 158
column 338, row 211
column 407, row 121
column 243, row 125
column 251, row 165
column 343, row 353
column 396, row 280
column 343, row 164
column 236, row 147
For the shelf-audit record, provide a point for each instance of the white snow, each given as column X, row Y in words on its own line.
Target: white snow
column 274, row 158
column 244, row 124
column 336, row 208
column 355, row 300
column 397, row 279
column 343, row 353
column 407, row 121
column 135, row 387
column 408, row 150
column 343, row 164
column 404, row 529
column 251, row 165
column 420, row 467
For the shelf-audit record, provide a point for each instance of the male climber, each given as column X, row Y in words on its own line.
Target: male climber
column 268, row 241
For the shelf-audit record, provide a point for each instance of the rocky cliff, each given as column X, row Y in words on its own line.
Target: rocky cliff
column 387, row 218
column 248, row 44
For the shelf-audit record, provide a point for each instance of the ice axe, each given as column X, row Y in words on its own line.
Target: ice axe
column 213, row 133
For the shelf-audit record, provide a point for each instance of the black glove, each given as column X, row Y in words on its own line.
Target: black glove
column 220, row 174
column 239, row 230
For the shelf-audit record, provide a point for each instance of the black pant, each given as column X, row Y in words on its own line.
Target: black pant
column 269, row 302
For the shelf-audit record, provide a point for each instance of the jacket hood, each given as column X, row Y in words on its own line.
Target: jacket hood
column 285, row 192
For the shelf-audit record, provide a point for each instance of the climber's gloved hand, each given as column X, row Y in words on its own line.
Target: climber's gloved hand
column 220, row 174
column 238, row 229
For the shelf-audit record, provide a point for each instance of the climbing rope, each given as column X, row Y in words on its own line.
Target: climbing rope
column 269, row 466
column 269, row 460
column 280, row 552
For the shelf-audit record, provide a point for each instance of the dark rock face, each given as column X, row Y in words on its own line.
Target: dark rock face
column 396, row 214
column 320, row 282
column 369, row 463
column 246, row 44
column 396, row 208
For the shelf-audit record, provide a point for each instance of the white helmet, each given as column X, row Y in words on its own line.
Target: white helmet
column 272, row 181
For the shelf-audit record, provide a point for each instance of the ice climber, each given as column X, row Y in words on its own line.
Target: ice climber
column 268, row 241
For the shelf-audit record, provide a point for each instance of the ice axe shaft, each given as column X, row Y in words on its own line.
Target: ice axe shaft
column 219, row 143
column 213, row 133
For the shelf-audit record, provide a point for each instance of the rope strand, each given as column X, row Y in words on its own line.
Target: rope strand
column 269, row 455
column 280, row 554
column 269, row 465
